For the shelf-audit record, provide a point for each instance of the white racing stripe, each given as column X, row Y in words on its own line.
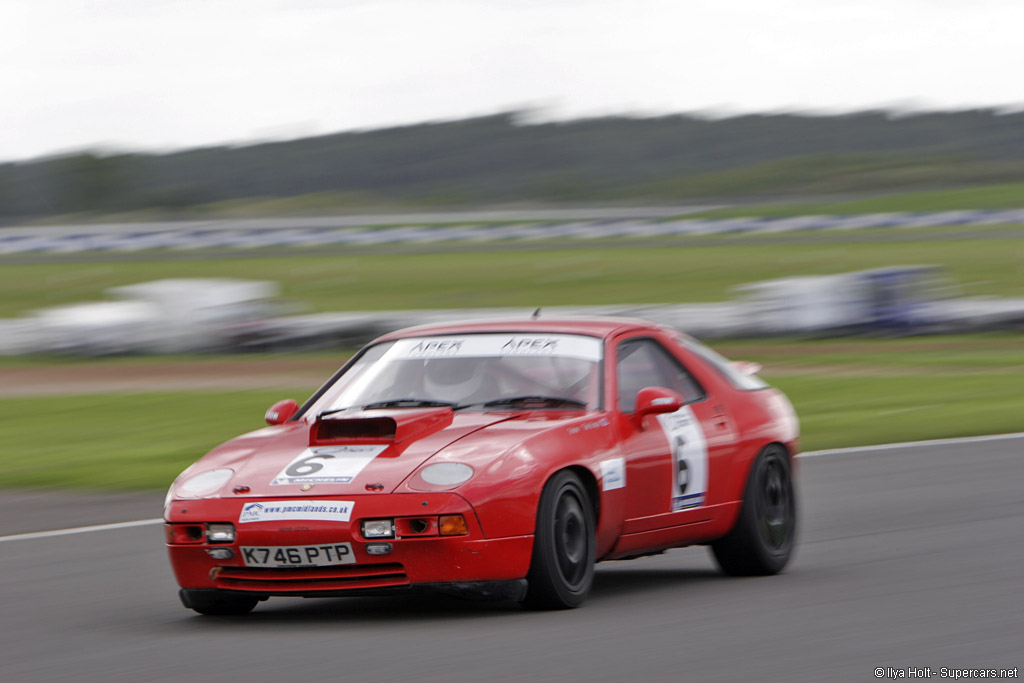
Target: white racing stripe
column 80, row 530
column 808, row 454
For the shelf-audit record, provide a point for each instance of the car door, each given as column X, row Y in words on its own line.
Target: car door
column 671, row 459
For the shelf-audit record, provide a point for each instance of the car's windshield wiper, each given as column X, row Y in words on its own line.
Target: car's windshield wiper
column 516, row 401
column 396, row 403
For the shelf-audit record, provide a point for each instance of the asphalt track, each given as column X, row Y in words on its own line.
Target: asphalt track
column 909, row 556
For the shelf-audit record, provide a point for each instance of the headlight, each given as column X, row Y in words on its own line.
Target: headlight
column 446, row 474
column 378, row 528
column 205, row 483
column 220, row 533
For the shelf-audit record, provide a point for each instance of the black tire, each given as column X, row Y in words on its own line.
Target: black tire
column 218, row 603
column 562, row 565
column 762, row 541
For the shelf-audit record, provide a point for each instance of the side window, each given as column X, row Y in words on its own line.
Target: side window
column 644, row 363
column 724, row 366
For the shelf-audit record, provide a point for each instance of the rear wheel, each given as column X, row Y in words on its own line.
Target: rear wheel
column 763, row 538
column 217, row 603
column 562, row 566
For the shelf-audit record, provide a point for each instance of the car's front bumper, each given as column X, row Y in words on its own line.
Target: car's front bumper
column 414, row 560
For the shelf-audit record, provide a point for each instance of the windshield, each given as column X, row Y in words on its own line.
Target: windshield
column 469, row 370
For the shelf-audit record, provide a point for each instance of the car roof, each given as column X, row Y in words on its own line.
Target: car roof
column 592, row 326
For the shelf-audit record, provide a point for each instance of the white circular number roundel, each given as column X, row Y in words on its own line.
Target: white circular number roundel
column 689, row 452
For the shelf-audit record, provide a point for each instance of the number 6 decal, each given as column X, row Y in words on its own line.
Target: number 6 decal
column 306, row 466
column 328, row 464
column 682, row 469
column 689, row 453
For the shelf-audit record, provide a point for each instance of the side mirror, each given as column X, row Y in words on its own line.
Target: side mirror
column 655, row 401
column 281, row 412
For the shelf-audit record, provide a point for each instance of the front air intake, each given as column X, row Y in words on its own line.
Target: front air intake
column 401, row 425
column 365, row 429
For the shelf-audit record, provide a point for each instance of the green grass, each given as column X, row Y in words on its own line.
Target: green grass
column 853, row 392
column 870, row 409
column 681, row 271
column 213, row 360
column 945, row 354
column 1004, row 196
column 847, row 392
column 120, row 441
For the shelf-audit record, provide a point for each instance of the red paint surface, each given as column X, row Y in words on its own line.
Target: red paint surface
column 512, row 452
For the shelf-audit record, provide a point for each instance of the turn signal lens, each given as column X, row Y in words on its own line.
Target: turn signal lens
column 452, row 525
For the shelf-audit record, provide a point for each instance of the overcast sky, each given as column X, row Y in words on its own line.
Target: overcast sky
column 167, row 74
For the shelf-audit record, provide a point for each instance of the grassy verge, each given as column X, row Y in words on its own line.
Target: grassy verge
column 854, row 411
column 1003, row 196
column 681, row 271
column 945, row 355
column 120, row 441
column 851, row 392
column 331, row 358
column 847, row 392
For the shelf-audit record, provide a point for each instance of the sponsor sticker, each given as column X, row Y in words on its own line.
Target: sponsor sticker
column 498, row 346
column 689, row 459
column 530, row 346
column 589, row 426
column 328, row 464
column 613, row 474
column 436, row 348
column 276, row 510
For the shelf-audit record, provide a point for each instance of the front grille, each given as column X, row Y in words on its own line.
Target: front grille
column 311, row 579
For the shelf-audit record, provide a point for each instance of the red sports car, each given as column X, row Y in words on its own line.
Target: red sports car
column 500, row 458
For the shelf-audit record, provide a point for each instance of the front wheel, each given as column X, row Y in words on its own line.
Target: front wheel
column 562, row 566
column 763, row 538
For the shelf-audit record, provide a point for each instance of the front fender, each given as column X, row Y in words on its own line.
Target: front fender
column 506, row 492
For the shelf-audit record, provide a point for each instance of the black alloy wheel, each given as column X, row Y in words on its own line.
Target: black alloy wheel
column 562, row 566
column 763, row 538
column 775, row 509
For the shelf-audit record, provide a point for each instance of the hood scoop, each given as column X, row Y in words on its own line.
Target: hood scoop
column 378, row 426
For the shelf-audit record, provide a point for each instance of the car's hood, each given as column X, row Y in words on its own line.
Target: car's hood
column 344, row 454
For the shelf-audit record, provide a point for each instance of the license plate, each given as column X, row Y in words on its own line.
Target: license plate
column 325, row 555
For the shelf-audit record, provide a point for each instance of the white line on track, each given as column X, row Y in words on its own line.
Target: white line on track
column 80, row 530
column 913, row 444
column 808, row 454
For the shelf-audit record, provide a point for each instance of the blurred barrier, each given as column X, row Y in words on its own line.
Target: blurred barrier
column 223, row 315
column 324, row 231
